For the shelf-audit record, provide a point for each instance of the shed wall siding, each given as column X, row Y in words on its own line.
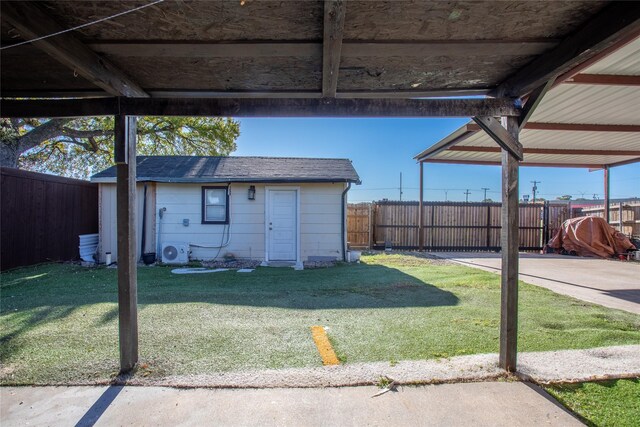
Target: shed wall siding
column 108, row 220
column 320, row 220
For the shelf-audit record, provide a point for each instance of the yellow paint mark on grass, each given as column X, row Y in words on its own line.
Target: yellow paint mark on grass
column 324, row 346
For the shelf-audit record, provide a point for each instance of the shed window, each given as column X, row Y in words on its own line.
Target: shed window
column 215, row 205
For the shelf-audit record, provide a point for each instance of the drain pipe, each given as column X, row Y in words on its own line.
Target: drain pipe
column 344, row 220
column 144, row 221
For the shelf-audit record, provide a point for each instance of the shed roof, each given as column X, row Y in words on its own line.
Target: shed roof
column 590, row 120
column 237, row 169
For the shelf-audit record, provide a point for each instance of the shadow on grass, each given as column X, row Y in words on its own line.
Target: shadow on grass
column 348, row 287
column 344, row 287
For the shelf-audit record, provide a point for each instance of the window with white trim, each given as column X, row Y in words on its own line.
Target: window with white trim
column 215, row 205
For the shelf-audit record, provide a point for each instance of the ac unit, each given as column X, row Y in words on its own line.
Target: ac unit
column 175, row 253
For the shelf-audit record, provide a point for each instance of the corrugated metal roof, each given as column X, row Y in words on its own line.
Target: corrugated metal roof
column 597, row 104
column 624, row 61
column 569, row 103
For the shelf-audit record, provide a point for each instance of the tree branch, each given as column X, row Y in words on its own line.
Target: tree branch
column 41, row 133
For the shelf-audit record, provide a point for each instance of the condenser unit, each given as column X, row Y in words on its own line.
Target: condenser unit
column 175, row 253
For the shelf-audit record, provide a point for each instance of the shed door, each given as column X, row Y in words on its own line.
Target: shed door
column 282, row 225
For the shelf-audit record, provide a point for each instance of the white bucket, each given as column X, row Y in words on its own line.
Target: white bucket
column 353, row 256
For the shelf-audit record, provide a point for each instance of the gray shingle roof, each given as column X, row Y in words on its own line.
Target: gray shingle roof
column 237, row 169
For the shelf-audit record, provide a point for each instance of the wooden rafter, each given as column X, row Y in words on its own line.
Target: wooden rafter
column 614, row 23
column 167, row 93
column 33, row 22
column 334, row 13
column 247, row 107
column 359, row 49
column 533, row 101
column 500, row 135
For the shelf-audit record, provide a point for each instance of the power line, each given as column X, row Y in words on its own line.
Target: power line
column 82, row 25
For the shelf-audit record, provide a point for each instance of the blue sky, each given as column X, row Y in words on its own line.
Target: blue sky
column 383, row 148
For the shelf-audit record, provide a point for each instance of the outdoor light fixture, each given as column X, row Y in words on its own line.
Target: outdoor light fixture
column 252, row 192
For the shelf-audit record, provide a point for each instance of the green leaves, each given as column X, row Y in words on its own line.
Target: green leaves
column 82, row 147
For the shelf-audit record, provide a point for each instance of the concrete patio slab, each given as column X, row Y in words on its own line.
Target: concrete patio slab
column 479, row 404
column 614, row 284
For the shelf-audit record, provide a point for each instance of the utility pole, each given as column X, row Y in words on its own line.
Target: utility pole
column 466, row 193
column 535, row 189
column 400, row 186
column 445, row 195
column 485, row 193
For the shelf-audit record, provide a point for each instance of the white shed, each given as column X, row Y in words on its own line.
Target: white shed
column 284, row 210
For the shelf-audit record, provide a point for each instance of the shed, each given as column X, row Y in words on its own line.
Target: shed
column 285, row 210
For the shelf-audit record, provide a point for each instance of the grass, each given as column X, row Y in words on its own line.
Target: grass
column 606, row 403
column 58, row 323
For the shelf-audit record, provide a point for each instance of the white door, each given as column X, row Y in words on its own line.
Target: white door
column 282, row 225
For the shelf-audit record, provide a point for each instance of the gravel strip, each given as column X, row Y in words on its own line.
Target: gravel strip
column 548, row 366
column 581, row 365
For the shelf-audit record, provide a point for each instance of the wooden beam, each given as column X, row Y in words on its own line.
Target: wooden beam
column 509, row 241
column 533, row 101
column 499, row 134
column 571, row 127
column 421, row 210
column 560, row 151
column 247, row 107
column 125, row 149
column 32, row 22
column 604, row 79
column 168, row 93
column 353, row 48
column 334, row 13
column 611, row 25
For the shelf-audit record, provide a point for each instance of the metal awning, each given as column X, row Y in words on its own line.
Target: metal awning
column 590, row 120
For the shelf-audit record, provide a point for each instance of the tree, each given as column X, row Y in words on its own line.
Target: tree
column 565, row 197
column 83, row 146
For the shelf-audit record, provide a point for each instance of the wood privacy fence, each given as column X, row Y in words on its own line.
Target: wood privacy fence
column 448, row 226
column 625, row 217
column 42, row 215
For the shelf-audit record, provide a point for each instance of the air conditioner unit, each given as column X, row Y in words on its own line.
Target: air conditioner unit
column 175, row 253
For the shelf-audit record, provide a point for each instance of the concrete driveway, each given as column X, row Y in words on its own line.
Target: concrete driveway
column 610, row 283
column 478, row 404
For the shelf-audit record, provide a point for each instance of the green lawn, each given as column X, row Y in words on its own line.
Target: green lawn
column 607, row 403
column 58, row 323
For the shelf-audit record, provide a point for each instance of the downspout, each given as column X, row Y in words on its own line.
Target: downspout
column 344, row 220
column 144, row 220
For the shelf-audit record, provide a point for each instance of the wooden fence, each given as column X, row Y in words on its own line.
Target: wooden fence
column 625, row 217
column 448, row 226
column 42, row 215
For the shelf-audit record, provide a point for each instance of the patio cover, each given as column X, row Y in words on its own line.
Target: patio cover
column 329, row 58
column 590, row 120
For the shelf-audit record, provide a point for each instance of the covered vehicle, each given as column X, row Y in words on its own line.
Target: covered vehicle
column 590, row 236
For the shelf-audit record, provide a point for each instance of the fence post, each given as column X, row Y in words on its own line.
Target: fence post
column 620, row 209
column 545, row 226
column 488, row 226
